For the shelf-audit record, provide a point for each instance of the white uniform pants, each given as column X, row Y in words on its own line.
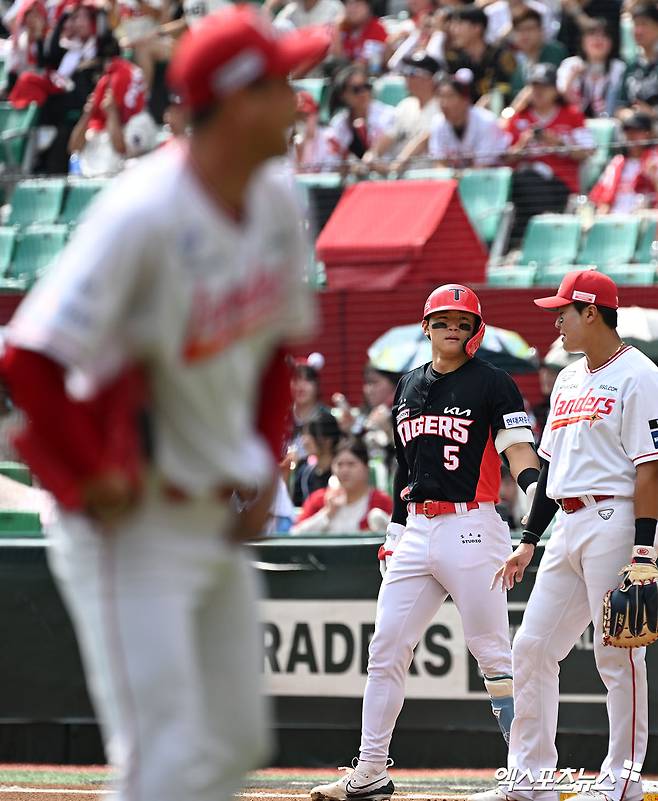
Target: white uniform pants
column 580, row 564
column 454, row 555
column 165, row 617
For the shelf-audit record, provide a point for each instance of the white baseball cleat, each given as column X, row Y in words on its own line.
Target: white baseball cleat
column 495, row 794
column 359, row 783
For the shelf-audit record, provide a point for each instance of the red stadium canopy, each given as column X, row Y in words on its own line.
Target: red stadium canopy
column 384, row 234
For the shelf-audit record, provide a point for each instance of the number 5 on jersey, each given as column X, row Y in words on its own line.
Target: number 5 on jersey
column 451, row 457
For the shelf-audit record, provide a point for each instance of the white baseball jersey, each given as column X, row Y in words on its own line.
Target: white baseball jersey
column 481, row 143
column 158, row 273
column 602, row 424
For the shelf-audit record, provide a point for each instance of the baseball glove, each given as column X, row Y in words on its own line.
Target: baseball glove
column 630, row 612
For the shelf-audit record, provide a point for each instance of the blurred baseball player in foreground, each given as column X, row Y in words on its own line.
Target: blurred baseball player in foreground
column 452, row 418
column 600, row 474
column 186, row 278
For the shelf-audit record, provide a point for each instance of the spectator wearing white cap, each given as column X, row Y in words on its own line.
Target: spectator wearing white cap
column 413, row 115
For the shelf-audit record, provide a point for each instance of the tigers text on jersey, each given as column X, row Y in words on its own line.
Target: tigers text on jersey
column 445, row 426
column 158, row 273
column 602, row 424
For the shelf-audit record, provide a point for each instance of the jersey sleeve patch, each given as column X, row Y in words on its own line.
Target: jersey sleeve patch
column 653, row 427
column 516, row 419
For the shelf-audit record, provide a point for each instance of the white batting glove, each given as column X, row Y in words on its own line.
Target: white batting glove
column 394, row 532
column 530, row 496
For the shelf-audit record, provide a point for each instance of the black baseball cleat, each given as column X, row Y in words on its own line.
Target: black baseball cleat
column 357, row 785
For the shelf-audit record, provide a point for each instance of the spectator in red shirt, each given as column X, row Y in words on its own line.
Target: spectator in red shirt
column 360, row 36
column 549, row 141
column 630, row 181
column 344, row 506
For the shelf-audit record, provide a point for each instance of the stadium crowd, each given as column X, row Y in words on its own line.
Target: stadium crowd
column 476, row 83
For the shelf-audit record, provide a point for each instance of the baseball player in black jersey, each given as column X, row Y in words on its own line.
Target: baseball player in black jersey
column 452, row 418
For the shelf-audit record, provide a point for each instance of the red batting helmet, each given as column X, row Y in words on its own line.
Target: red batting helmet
column 456, row 297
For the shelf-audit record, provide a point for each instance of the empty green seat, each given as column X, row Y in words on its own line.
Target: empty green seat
column 484, row 194
column 632, row 274
column 610, row 241
column 78, row 196
column 390, row 89
column 512, row 275
column 552, row 274
column 428, row 174
column 36, row 248
column 7, row 241
column 36, row 201
column 550, row 239
column 15, row 127
column 603, row 131
column 19, row 525
column 17, row 471
column 644, row 252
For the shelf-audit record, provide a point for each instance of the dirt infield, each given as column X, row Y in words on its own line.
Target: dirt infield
column 67, row 783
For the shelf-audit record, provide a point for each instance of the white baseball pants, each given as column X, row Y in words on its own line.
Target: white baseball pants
column 454, row 555
column 165, row 616
column 580, row 564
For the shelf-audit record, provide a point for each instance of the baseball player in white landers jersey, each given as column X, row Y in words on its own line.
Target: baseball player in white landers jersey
column 452, row 418
column 190, row 267
column 600, row 474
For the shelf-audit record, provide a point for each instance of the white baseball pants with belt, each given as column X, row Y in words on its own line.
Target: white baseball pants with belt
column 453, row 554
column 581, row 563
column 164, row 611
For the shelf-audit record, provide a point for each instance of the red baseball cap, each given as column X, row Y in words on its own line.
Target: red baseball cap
column 588, row 286
column 235, row 47
column 306, row 103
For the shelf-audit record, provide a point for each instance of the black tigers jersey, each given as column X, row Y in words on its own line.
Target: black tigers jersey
column 445, row 426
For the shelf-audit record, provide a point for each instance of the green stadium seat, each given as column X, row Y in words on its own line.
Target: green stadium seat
column 610, row 241
column 78, row 196
column 7, row 241
column 484, row 194
column 17, row 471
column 19, row 525
column 603, row 130
column 632, row 274
column 644, row 252
column 36, row 248
column 36, row 201
column 550, row 239
column 552, row 274
column 15, row 128
column 327, row 180
column 512, row 275
column 429, row 174
column 390, row 89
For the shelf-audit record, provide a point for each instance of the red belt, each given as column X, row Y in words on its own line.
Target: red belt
column 571, row 505
column 434, row 508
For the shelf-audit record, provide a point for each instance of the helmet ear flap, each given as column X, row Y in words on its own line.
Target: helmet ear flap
column 475, row 341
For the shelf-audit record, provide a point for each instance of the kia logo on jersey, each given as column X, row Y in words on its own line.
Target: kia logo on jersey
column 588, row 407
column 434, row 424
